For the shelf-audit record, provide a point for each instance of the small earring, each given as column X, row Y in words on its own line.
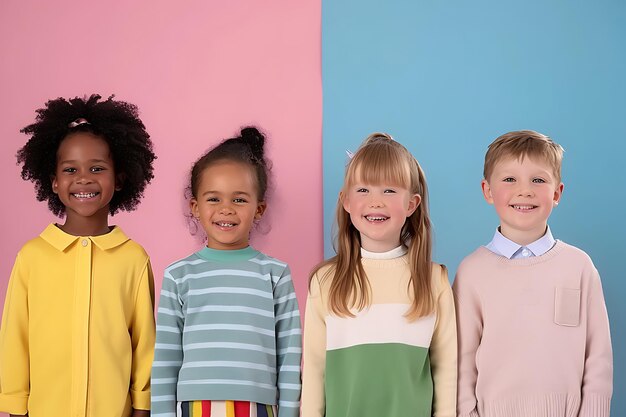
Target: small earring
column 556, row 203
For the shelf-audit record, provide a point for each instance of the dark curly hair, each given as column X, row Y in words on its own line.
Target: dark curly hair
column 117, row 122
column 247, row 148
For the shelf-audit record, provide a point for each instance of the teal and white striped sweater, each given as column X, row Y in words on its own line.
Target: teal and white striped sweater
column 228, row 328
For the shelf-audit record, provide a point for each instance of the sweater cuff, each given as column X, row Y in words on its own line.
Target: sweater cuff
column 595, row 405
column 140, row 399
column 13, row 404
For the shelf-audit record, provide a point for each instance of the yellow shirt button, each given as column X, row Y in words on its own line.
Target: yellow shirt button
column 84, row 242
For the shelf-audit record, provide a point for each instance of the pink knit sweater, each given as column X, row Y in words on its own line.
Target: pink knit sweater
column 533, row 336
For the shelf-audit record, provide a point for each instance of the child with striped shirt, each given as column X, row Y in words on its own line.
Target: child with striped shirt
column 228, row 326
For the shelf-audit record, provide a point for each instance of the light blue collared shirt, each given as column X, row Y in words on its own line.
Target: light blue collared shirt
column 500, row 245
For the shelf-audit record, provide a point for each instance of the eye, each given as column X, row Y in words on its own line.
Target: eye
column 97, row 169
column 69, row 170
column 213, row 200
column 509, row 179
column 239, row 200
column 539, row 180
column 389, row 191
column 361, row 190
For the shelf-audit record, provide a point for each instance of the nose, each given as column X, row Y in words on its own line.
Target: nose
column 375, row 202
column 84, row 177
column 226, row 208
column 525, row 190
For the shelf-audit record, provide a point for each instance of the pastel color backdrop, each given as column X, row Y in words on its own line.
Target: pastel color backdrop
column 198, row 72
column 445, row 79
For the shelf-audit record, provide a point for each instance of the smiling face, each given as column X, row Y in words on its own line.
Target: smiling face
column 226, row 204
column 523, row 193
column 379, row 212
column 85, row 182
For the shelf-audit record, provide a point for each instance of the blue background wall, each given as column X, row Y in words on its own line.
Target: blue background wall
column 446, row 78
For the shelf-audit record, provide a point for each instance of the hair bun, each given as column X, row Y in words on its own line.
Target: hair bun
column 255, row 139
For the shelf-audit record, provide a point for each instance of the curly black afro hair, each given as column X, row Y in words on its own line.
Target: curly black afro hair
column 115, row 121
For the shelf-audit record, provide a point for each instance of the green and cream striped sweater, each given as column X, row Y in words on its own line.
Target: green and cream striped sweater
column 228, row 328
column 379, row 363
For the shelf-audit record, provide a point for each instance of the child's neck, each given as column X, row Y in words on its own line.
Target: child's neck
column 86, row 226
column 524, row 238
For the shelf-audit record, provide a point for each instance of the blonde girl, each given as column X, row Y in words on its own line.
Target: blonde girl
column 380, row 335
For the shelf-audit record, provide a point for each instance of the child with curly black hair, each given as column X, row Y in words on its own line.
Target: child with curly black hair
column 77, row 335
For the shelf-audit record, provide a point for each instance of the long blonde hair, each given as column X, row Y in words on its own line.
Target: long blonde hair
column 378, row 160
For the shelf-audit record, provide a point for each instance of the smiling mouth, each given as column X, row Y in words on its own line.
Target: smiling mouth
column 84, row 195
column 225, row 224
column 376, row 219
column 523, row 207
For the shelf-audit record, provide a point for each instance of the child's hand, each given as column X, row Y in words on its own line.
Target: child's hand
column 141, row 413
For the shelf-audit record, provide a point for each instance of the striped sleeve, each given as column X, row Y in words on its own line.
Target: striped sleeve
column 288, row 345
column 168, row 352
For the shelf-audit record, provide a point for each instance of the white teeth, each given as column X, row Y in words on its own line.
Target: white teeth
column 376, row 218
column 223, row 224
column 84, row 195
column 523, row 207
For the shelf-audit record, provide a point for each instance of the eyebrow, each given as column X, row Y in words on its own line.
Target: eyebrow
column 235, row 193
column 537, row 172
column 73, row 161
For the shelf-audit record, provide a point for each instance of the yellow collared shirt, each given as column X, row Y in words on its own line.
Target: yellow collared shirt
column 77, row 333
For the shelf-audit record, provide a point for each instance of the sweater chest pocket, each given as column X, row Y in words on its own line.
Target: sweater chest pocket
column 567, row 306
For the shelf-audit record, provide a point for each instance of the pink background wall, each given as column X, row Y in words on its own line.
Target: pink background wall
column 198, row 72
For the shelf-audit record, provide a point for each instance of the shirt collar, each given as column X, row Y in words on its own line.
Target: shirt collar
column 227, row 255
column 543, row 244
column 61, row 240
column 393, row 253
column 508, row 248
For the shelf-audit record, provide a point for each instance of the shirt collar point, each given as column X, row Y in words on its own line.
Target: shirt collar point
column 61, row 240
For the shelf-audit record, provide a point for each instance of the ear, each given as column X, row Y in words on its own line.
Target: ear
column 55, row 184
column 193, row 206
column 486, row 191
column 343, row 198
column 557, row 194
column 414, row 203
column 119, row 181
column 260, row 210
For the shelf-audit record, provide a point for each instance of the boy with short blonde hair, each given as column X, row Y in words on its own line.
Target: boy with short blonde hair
column 533, row 330
column 521, row 144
